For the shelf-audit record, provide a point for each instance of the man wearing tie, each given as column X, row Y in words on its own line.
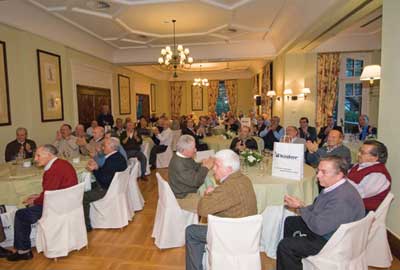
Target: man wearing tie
column 21, row 146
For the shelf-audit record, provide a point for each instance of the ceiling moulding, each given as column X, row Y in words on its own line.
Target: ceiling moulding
column 330, row 24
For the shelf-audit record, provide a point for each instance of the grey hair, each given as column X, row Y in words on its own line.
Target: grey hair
column 184, row 142
column 51, row 149
column 229, row 159
column 365, row 117
column 114, row 143
column 21, row 129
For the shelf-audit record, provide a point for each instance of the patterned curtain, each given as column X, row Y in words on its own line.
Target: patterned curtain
column 266, row 86
column 212, row 91
column 176, row 89
column 232, row 93
column 328, row 66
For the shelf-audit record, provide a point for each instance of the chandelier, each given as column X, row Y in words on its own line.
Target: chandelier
column 175, row 57
column 200, row 82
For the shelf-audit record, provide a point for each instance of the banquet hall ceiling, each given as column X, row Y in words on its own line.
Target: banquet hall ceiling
column 134, row 31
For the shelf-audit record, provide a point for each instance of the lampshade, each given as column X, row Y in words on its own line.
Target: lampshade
column 271, row 93
column 287, row 92
column 371, row 73
column 306, row 91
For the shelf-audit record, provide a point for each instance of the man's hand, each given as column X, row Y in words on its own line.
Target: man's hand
column 92, row 165
column 156, row 131
column 28, row 148
column 293, row 202
column 30, row 199
column 58, row 136
column 209, row 190
column 311, row 147
column 208, row 163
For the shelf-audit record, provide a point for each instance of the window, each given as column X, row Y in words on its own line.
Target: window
column 222, row 100
column 352, row 100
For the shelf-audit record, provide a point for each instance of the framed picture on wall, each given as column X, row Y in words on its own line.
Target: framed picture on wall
column 197, row 98
column 124, row 93
column 5, row 115
column 50, row 86
column 153, row 97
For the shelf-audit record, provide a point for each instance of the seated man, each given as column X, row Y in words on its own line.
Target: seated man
column 243, row 141
column 363, row 128
column 161, row 139
column 324, row 131
column 234, row 198
column 114, row 162
column 89, row 130
column 334, row 147
column 118, row 128
column 272, row 133
column 131, row 141
column 80, row 133
column 306, row 132
column 100, row 158
column 21, row 146
column 66, row 143
column 292, row 136
column 370, row 176
column 189, row 129
column 94, row 146
column 143, row 127
column 306, row 234
column 185, row 175
column 105, row 117
column 58, row 174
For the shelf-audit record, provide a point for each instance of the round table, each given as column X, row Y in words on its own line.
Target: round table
column 17, row 182
column 218, row 142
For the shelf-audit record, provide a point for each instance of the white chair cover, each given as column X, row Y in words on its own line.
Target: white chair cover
column 175, row 137
column 62, row 225
column 200, row 155
column 170, row 221
column 345, row 250
column 272, row 229
column 378, row 250
column 145, row 148
column 112, row 210
column 234, row 243
column 135, row 197
column 164, row 158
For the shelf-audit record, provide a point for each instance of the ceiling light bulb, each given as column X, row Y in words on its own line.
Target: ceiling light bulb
column 160, row 60
column 168, row 49
column 180, row 48
column 163, row 52
column 190, row 60
column 186, row 51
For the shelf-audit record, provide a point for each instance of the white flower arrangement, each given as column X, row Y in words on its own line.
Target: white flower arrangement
column 251, row 157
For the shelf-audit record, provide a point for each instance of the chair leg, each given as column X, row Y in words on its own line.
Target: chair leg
column 55, row 259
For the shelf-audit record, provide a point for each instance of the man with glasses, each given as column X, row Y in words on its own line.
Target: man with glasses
column 370, row 176
column 338, row 203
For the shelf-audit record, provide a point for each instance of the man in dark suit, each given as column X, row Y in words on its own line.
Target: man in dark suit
column 190, row 130
column 104, row 175
column 105, row 118
column 306, row 132
column 243, row 141
column 324, row 131
column 21, row 146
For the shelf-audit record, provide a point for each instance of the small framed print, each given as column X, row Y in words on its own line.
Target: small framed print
column 124, row 93
column 197, row 98
column 153, row 97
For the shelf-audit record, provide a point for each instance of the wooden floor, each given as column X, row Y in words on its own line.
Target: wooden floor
column 132, row 248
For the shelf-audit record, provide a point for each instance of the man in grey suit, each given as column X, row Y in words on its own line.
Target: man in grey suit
column 186, row 175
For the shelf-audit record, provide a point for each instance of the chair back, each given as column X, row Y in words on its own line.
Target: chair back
column 201, row 155
column 349, row 241
column 234, row 243
column 119, row 184
column 382, row 211
column 135, row 197
column 165, row 195
column 63, row 201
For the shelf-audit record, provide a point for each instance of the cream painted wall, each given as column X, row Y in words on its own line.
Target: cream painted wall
column 389, row 128
column 295, row 71
column 24, row 85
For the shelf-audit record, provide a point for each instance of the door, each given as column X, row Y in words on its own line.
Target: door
column 90, row 100
column 142, row 106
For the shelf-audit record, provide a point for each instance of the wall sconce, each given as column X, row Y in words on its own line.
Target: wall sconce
column 287, row 93
column 272, row 94
column 305, row 92
column 371, row 73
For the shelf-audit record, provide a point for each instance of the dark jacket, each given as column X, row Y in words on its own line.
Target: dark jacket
column 250, row 144
column 13, row 148
column 105, row 174
column 311, row 134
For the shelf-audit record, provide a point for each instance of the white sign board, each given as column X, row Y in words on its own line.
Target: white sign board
column 288, row 161
column 245, row 121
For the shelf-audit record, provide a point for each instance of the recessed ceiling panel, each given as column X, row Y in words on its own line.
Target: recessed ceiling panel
column 191, row 17
column 105, row 28
column 187, row 40
column 52, row 3
column 258, row 14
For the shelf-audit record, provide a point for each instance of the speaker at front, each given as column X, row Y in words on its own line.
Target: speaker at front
column 258, row 100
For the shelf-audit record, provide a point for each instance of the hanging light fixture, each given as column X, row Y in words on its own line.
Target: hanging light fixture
column 201, row 82
column 175, row 57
